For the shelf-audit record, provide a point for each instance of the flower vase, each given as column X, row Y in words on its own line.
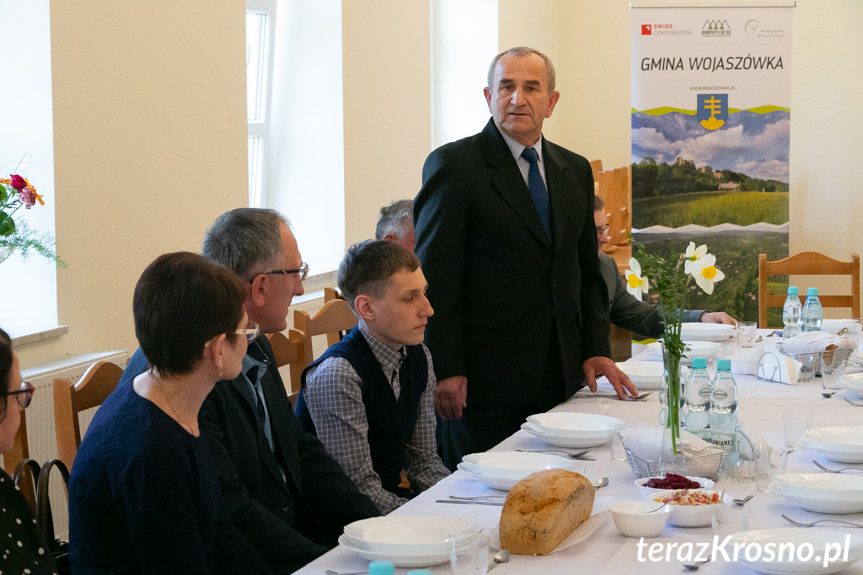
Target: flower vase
column 5, row 252
column 672, row 458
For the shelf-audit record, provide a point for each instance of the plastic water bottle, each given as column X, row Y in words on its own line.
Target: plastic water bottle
column 698, row 390
column 812, row 313
column 792, row 313
column 723, row 404
column 382, row 568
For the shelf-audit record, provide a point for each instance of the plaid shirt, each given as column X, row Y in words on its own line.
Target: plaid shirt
column 335, row 402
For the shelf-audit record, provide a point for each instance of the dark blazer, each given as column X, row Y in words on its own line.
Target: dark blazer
column 496, row 280
column 292, row 521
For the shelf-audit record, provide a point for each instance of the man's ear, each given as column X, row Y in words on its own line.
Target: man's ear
column 256, row 291
column 365, row 307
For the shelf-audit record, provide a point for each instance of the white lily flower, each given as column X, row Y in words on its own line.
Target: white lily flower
column 635, row 284
column 693, row 255
column 706, row 273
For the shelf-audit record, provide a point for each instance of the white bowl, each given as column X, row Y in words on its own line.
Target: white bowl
column 402, row 534
column 649, row 492
column 690, row 515
column 817, row 504
column 568, row 424
column 634, row 518
column 564, row 440
column 843, row 444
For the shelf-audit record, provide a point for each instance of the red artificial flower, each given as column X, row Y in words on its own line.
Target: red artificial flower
column 17, row 182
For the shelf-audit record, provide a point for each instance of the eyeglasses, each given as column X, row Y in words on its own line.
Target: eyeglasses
column 250, row 333
column 600, row 230
column 24, row 394
column 302, row 272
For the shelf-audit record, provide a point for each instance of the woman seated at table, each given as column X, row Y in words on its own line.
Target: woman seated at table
column 144, row 495
column 25, row 550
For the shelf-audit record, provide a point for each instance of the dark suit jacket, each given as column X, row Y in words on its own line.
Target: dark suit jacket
column 496, row 281
column 289, row 522
column 628, row 312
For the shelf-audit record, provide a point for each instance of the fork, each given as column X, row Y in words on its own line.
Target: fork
column 580, row 455
column 840, row 470
column 642, row 396
column 854, row 403
column 800, row 524
column 479, row 498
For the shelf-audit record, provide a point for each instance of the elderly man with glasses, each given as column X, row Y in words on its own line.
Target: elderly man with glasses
column 286, row 495
column 626, row 311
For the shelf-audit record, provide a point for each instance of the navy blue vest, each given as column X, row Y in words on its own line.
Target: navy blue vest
column 391, row 422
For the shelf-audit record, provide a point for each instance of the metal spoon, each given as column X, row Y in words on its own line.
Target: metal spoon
column 602, row 482
column 828, row 470
column 828, row 394
column 743, row 501
column 695, row 566
column 501, row 556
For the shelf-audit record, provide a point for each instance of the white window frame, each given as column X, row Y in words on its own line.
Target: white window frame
column 260, row 128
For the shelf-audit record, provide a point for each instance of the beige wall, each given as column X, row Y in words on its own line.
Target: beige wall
column 150, row 146
column 150, row 132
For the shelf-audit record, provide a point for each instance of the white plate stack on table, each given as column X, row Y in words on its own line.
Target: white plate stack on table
column 408, row 540
column 646, row 375
column 821, row 492
column 565, row 429
column 843, row 444
column 694, row 331
column 798, row 541
column 503, row 469
column 709, row 350
column 852, row 383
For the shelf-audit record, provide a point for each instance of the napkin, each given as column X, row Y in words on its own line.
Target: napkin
column 815, row 341
column 645, row 442
column 775, row 366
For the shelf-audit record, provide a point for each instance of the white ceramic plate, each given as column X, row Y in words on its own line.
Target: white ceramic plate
column 817, row 504
column 401, row 559
column 691, row 515
column 513, row 464
column 568, row 424
column 403, row 534
column 649, row 492
column 697, row 331
column 852, row 383
column 564, row 440
column 833, row 486
column 581, row 533
column 843, row 444
column 645, row 374
column 705, row 349
column 800, row 539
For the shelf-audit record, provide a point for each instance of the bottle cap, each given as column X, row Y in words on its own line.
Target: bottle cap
column 812, row 292
column 420, row 572
column 699, row 363
column 382, row 568
column 792, row 290
column 723, row 365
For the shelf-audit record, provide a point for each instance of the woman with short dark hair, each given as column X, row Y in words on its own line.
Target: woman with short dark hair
column 144, row 495
column 24, row 550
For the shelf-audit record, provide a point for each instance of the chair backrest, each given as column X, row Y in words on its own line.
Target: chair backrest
column 20, row 450
column 807, row 263
column 595, row 167
column 70, row 399
column 331, row 293
column 332, row 320
column 615, row 189
column 290, row 350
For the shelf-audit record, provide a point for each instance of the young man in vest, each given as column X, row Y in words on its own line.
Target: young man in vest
column 369, row 397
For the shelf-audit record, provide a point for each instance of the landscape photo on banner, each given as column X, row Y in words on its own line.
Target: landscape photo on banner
column 711, row 117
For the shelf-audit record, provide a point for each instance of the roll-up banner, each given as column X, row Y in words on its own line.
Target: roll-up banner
column 711, row 120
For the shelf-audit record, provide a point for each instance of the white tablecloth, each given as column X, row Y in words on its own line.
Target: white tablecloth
column 607, row 552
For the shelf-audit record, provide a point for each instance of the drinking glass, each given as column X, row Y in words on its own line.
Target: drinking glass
column 771, row 463
column 615, row 441
column 796, row 423
column 729, row 518
column 746, row 333
column 471, row 559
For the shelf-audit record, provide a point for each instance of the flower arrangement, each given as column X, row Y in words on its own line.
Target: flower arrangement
column 671, row 280
column 15, row 234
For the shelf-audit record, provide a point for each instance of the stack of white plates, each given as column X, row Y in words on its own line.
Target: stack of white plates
column 503, row 469
column 565, row 429
column 787, row 551
column 706, row 349
column 852, row 383
column 843, row 444
column 821, row 492
column 408, row 540
column 696, row 331
column 644, row 374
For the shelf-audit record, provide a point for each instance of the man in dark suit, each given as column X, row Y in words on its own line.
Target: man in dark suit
column 286, row 495
column 509, row 248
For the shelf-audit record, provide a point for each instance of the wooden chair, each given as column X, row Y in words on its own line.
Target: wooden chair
column 813, row 264
column 615, row 189
column 70, row 399
column 331, row 320
column 290, row 350
column 331, row 293
column 20, row 450
column 595, row 167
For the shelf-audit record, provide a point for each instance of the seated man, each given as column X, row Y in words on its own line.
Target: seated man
column 369, row 397
column 396, row 224
column 283, row 492
column 625, row 310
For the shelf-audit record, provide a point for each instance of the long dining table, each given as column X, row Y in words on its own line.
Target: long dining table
column 760, row 409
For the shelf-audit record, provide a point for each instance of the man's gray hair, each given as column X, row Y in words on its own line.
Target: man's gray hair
column 598, row 204
column 396, row 218
column 522, row 52
column 246, row 240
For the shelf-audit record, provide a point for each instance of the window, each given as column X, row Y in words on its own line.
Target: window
column 259, row 48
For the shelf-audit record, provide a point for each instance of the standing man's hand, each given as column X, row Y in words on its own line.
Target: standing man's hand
column 450, row 396
column 598, row 365
column 717, row 317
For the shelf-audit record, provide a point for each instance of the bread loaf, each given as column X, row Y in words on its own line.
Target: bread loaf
column 543, row 509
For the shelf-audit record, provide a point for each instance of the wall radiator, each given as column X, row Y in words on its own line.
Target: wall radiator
column 41, row 438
